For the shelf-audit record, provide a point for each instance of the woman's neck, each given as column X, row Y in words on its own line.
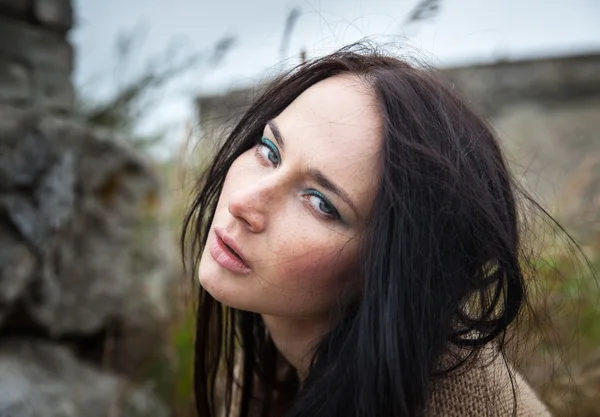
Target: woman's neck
column 296, row 339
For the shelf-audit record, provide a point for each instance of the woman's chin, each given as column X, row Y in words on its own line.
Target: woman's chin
column 211, row 278
column 215, row 280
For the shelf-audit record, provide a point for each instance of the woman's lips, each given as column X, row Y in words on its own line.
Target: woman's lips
column 226, row 258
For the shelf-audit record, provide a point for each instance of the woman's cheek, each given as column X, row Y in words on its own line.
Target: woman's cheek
column 312, row 285
column 315, row 265
column 244, row 170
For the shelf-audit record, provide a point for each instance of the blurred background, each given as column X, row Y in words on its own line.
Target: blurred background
column 109, row 109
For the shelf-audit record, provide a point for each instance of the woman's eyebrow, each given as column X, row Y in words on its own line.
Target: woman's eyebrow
column 324, row 182
column 315, row 173
column 276, row 132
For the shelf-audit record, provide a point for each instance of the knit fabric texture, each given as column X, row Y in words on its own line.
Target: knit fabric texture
column 487, row 388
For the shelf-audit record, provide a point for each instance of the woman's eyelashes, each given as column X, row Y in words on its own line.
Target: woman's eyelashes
column 269, row 154
column 321, row 206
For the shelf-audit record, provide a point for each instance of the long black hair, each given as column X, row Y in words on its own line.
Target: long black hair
column 439, row 261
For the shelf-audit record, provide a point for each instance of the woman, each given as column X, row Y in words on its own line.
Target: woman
column 358, row 252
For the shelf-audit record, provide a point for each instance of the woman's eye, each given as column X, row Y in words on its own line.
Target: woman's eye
column 320, row 205
column 268, row 151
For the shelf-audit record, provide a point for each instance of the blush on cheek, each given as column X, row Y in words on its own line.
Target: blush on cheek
column 315, row 286
column 317, row 271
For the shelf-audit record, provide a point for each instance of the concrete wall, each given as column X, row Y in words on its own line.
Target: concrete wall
column 547, row 113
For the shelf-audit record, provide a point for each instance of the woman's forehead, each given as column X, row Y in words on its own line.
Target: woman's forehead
column 335, row 126
column 340, row 112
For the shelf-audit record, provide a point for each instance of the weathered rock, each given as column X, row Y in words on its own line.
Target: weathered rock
column 36, row 59
column 57, row 14
column 23, row 156
column 15, row 83
column 53, row 90
column 90, row 209
column 14, row 7
column 34, row 46
column 84, row 253
column 21, row 213
column 42, row 379
column 17, row 264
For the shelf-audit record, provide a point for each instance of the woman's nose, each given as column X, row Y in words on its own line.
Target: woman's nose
column 251, row 206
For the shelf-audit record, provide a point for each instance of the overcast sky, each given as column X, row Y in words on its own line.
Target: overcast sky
column 463, row 31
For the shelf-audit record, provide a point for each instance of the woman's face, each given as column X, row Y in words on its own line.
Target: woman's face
column 293, row 207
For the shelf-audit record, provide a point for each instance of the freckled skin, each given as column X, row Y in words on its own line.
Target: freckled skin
column 300, row 260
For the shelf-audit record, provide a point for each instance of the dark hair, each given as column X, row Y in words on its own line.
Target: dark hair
column 440, row 260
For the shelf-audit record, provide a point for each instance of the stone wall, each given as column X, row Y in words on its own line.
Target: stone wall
column 85, row 259
column 36, row 60
column 547, row 113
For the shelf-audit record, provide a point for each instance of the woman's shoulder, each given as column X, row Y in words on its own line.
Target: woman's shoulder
column 486, row 387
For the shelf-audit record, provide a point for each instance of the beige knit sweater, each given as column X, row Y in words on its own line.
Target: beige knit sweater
column 485, row 389
column 481, row 389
